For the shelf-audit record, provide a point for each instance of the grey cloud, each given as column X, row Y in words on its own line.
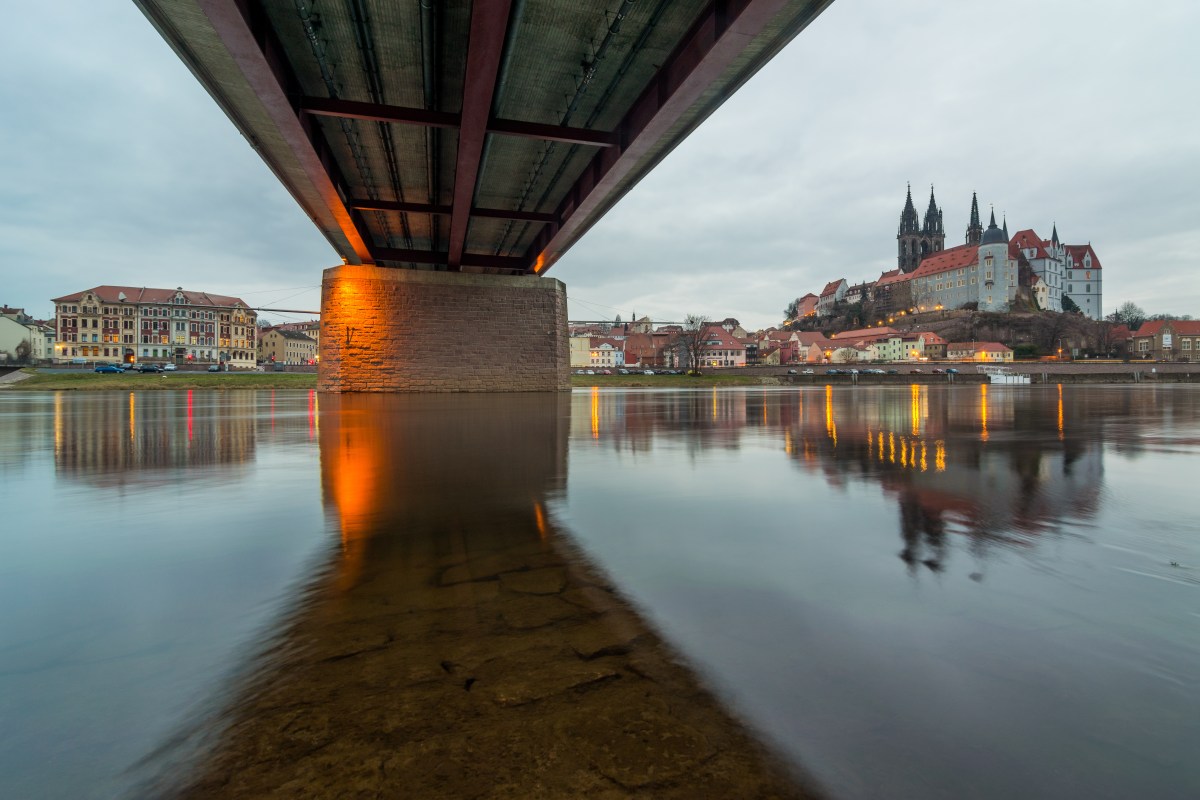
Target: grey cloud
column 118, row 167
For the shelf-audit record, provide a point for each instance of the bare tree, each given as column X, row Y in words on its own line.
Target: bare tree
column 688, row 344
column 24, row 352
column 1129, row 314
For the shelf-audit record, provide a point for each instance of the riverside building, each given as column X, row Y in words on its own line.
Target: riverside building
column 129, row 324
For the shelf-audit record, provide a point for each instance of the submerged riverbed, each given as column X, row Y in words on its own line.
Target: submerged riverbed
column 914, row 591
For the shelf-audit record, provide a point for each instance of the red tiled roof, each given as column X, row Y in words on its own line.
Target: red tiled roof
column 1028, row 240
column 1077, row 252
column 932, row 338
column 870, row 333
column 723, row 336
column 954, row 258
column 831, row 287
column 1181, row 327
column 142, row 294
column 975, row 347
column 892, row 276
column 1121, row 332
column 808, row 339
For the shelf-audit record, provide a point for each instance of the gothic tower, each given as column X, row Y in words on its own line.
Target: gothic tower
column 908, row 239
column 933, row 233
column 915, row 239
column 975, row 229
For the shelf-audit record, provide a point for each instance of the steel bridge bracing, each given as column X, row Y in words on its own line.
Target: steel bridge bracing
column 474, row 136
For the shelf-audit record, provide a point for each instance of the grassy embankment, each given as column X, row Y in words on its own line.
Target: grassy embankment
column 131, row 381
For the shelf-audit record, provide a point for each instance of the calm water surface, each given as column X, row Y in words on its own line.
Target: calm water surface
column 923, row 592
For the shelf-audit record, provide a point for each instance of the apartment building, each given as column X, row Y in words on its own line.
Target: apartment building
column 129, row 324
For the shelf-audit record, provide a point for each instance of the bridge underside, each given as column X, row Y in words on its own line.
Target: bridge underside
column 482, row 137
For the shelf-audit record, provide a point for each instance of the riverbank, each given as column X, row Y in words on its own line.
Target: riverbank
column 134, row 381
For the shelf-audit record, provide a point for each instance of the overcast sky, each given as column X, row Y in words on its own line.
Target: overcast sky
column 116, row 166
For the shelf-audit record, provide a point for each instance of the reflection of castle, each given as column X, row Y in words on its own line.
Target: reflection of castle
column 1001, row 466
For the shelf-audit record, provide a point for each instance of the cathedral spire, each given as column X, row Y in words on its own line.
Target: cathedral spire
column 1005, row 226
column 933, row 222
column 1054, row 233
column 975, row 228
column 909, row 223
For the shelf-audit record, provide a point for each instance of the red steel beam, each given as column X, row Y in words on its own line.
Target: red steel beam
column 489, row 24
column 429, row 208
column 715, row 42
column 554, row 133
column 514, row 263
column 375, row 112
column 262, row 63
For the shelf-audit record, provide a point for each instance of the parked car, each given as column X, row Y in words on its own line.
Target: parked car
column 148, row 368
column 622, row 372
column 214, row 367
column 792, row 372
column 806, row 372
column 893, row 372
column 914, row 372
column 589, row 372
column 606, row 372
column 938, row 370
column 951, row 371
column 833, row 372
column 648, row 372
column 169, row 367
column 113, row 368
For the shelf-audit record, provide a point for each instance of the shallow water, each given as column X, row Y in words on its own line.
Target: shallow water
column 917, row 592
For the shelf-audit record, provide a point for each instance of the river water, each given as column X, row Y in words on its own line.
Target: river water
column 852, row 592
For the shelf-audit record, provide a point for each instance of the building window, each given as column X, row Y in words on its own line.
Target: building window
column 1187, row 344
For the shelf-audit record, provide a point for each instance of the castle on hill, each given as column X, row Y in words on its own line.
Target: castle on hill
column 986, row 271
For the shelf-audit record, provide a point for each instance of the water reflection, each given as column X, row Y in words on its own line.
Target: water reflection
column 913, row 592
column 974, row 462
column 921, row 591
column 456, row 645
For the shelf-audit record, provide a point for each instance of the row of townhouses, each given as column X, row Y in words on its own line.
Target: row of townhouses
column 986, row 272
column 727, row 344
column 129, row 324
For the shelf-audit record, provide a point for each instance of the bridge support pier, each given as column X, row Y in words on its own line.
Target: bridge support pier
column 398, row 330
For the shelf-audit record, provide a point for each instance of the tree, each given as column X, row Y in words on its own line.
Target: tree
column 688, row 343
column 23, row 351
column 1128, row 313
column 792, row 310
column 1070, row 306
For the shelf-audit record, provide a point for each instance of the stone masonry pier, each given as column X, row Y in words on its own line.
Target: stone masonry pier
column 395, row 330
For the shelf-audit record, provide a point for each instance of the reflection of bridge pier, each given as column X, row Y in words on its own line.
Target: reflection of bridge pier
column 455, row 646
